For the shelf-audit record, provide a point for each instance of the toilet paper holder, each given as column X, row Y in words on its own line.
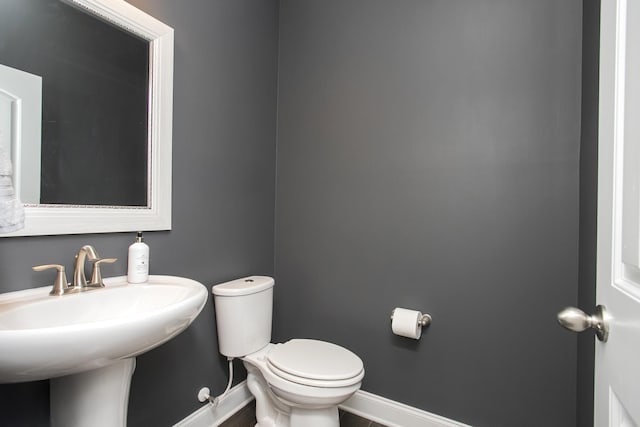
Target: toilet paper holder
column 424, row 320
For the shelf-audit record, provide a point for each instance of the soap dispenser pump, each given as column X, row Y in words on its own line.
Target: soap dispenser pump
column 138, row 268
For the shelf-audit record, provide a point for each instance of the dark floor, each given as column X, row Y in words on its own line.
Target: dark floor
column 246, row 418
column 348, row 419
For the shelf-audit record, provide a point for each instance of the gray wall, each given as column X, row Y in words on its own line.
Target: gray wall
column 223, row 201
column 588, row 203
column 428, row 157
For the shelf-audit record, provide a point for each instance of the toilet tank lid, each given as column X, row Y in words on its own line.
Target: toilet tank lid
column 245, row 286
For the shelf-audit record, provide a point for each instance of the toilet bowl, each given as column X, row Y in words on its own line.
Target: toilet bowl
column 295, row 384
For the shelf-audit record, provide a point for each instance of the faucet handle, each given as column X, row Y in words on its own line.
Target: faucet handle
column 96, row 275
column 60, row 284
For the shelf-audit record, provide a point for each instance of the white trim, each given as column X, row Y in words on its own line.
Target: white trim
column 208, row 416
column 363, row 404
column 67, row 219
column 394, row 414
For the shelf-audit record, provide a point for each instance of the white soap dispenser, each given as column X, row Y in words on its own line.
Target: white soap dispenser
column 138, row 270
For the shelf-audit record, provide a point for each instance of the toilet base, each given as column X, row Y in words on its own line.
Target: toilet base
column 327, row 417
column 273, row 412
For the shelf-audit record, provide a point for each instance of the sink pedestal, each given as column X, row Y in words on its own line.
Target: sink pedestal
column 97, row 398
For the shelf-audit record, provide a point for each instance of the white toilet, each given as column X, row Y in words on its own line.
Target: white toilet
column 296, row 384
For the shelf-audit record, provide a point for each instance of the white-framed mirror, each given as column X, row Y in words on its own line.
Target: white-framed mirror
column 154, row 212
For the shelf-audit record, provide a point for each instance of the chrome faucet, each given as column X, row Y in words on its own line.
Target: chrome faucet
column 61, row 287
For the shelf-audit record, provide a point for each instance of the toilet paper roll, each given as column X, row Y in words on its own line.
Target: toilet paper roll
column 406, row 323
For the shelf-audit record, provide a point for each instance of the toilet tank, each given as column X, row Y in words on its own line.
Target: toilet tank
column 243, row 314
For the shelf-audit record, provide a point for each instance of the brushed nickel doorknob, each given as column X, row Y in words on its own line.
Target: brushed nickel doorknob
column 577, row 320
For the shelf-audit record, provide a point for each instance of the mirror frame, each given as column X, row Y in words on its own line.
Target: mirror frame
column 72, row 219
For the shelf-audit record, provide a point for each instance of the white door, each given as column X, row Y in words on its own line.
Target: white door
column 617, row 372
column 20, row 129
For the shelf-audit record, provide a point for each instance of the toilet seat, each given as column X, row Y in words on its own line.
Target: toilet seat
column 315, row 363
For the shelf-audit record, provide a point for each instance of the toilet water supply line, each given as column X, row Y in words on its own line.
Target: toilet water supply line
column 204, row 395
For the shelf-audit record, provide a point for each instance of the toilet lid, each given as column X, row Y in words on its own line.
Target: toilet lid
column 316, row 360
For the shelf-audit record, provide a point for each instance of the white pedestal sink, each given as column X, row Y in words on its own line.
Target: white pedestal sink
column 87, row 342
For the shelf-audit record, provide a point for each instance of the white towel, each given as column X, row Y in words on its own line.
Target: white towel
column 11, row 210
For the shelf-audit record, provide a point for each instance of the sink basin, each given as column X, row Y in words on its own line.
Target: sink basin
column 43, row 336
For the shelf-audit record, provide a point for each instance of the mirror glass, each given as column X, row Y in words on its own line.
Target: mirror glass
column 94, row 79
column 98, row 74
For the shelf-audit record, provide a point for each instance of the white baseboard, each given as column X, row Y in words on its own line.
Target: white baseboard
column 363, row 404
column 392, row 413
column 208, row 416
